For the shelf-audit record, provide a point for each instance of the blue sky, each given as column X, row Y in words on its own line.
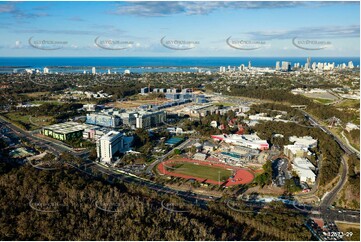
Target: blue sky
column 136, row 28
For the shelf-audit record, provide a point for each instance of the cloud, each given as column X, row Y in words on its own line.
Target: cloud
column 67, row 32
column 94, row 30
column 161, row 9
column 7, row 7
column 11, row 8
column 312, row 32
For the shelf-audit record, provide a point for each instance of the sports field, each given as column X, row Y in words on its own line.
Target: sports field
column 205, row 171
column 201, row 171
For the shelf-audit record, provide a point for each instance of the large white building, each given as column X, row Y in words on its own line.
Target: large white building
column 108, row 145
column 286, row 66
column 247, row 140
column 307, row 141
column 301, row 146
column 260, row 116
column 304, row 169
column 146, row 119
column 105, row 119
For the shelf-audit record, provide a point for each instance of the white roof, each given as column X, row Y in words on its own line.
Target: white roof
column 305, row 140
column 111, row 135
column 67, row 127
column 295, row 148
column 303, row 163
column 304, row 174
column 303, row 167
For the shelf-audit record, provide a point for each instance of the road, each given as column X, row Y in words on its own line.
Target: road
column 348, row 143
column 328, row 199
column 343, row 146
column 197, row 199
column 57, row 147
column 163, row 157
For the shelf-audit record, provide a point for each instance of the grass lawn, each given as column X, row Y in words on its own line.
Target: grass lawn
column 47, row 102
column 201, row 171
column 34, row 94
column 225, row 104
column 349, row 228
column 323, row 101
column 29, row 122
column 349, row 103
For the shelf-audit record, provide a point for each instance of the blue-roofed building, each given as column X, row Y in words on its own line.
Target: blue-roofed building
column 103, row 119
column 174, row 141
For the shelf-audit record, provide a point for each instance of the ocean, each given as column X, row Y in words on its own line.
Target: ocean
column 151, row 64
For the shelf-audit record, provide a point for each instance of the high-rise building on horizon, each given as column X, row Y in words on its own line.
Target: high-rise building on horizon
column 46, row 70
column 277, row 65
column 314, row 66
column 286, row 66
column 94, row 71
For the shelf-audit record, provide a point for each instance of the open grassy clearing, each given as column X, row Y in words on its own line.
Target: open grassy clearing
column 348, row 229
column 349, row 103
column 29, row 122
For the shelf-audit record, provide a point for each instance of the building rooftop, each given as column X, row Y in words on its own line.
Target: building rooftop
column 111, row 135
column 305, row 140
column 67, row 127
column 303, row 163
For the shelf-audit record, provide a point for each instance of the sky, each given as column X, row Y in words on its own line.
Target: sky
column 172, row 28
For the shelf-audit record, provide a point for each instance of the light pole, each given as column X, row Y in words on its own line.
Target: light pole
column 219, row 174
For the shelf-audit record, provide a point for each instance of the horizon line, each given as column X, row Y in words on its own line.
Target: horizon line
column 179, row 57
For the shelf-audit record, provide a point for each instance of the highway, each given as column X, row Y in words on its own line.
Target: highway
column 343, row 146
column 328, row 199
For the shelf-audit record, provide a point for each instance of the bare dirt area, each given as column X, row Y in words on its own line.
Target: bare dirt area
column 136, row 103
column 321, row 95
column 267, row 190
column 203, row 191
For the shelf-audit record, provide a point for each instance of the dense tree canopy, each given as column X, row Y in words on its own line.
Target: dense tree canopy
column 76, row 204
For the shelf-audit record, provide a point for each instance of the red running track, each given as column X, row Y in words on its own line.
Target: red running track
column 241, row 176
